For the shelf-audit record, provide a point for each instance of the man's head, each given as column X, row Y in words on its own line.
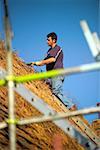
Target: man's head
column 51, row 39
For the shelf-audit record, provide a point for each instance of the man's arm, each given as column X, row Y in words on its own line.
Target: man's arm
column 44, row 62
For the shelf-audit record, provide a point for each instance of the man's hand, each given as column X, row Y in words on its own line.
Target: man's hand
column 37, row 63
column 30, row 64
column 33, row 63
column 42, row 62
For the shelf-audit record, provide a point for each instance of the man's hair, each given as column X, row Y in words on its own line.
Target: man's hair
column 53, row 35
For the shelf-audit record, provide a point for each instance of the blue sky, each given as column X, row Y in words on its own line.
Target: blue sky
column 32, row 20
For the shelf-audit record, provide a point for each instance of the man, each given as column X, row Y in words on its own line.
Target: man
column 54, row 60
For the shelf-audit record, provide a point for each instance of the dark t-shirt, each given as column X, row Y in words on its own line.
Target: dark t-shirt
column 57, row 53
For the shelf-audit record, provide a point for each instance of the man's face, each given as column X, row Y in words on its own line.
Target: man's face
column 50, row 42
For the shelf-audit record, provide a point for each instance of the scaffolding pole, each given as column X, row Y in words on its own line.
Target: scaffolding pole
column 10, row 83
column 58, row 116
column 89, row 38
column 53, row 73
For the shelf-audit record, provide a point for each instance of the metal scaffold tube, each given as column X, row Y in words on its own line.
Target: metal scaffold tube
column 53, row 73
column 12, row 126
column 58, row 116
column 89, row 38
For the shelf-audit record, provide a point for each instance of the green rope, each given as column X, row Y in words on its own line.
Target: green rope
column 30, row 77
column 2, row 82
column 11, row 121
column 36, row 76
column 50, row 74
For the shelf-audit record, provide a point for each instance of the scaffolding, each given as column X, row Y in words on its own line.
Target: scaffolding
column 9, row 79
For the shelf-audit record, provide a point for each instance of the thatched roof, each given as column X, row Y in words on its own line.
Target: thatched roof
column 34, row 136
